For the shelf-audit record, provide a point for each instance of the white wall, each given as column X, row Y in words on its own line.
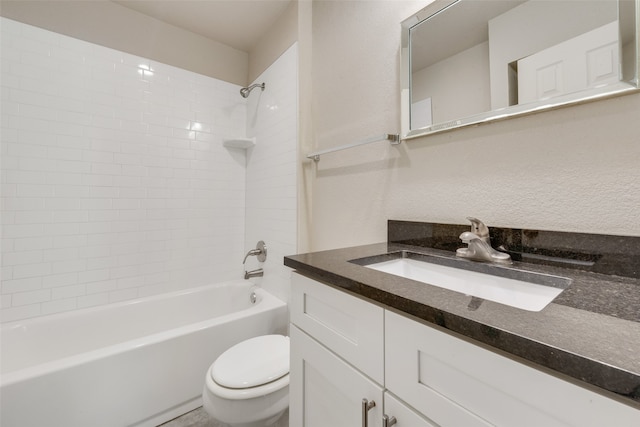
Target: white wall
column 573, row 169
column 271, row 203
column 281, row 35
column 112, row 25
column 458, row 86
column 115, row 184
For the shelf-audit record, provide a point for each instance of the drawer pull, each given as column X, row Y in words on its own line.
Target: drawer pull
column 366, row 407
column 388, row 421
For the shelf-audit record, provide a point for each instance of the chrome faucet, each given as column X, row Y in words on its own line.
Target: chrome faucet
column 260, row 252
column 253, row 273
column 479, row 245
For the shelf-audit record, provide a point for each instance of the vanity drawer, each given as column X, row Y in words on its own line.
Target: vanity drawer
column 405, row 417
column 456, row 383
column 349, row 326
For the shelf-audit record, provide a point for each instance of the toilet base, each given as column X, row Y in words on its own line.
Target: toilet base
column 245, row 413
column 265, row 423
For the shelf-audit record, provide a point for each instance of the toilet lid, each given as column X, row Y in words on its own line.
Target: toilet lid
column 253, row 362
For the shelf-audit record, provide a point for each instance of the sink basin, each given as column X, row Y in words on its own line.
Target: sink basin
column 521, row 289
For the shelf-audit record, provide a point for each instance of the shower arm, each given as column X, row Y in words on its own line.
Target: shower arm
column 255, row 85
column 245, row 91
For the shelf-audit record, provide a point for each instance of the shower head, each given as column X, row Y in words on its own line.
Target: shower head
column 245, row 91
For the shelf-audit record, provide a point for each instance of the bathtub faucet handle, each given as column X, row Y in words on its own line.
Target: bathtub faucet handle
column 250, row 253
column 260, row 251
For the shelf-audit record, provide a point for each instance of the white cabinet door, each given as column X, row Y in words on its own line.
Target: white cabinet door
column 349, row 326
column 325, row 390
column 456, row 383
column 432, row 386
column 405, row 417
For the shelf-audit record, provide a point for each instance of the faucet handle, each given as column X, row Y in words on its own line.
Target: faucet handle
column 479, row 229
column 252, row 252
column 260, row 251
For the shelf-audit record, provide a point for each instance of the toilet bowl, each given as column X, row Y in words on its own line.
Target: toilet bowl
column 248, row 385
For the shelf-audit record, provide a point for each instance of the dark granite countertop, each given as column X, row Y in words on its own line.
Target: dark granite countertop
column 590, row 332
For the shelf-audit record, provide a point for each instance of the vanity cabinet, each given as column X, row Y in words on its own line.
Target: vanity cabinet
column 337, row 361
column 350, row 326
column 345, row 349
column 458, row 383
column 340, row 332
column 405, row 416
column 327, row 391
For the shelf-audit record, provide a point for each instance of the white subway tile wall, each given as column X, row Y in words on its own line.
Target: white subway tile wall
column 272, row 116
column 115, row 183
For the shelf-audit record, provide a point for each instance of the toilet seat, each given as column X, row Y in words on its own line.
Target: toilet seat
column 245, row 393
column 252, row 368
column 252, row 363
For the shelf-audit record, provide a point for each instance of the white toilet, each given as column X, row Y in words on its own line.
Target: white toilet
column 248, row 385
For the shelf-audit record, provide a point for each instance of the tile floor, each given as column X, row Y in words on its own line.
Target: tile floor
column 199, row 418
column 196, row 418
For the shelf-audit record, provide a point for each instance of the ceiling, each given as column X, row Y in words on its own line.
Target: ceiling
column 236, row 23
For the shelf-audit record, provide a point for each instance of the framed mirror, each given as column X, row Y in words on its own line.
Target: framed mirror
column 466, row 62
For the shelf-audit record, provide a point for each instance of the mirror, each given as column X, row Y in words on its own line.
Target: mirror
column 466, row 62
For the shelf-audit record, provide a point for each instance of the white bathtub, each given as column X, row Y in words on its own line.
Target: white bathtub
column 136, row 363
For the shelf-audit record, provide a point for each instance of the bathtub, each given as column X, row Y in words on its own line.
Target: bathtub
column 136, row 363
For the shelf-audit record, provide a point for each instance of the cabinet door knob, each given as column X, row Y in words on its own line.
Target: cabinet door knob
column 366, row 406
column 388, row 421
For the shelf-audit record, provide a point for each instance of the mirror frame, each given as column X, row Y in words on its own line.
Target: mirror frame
column 587, row 95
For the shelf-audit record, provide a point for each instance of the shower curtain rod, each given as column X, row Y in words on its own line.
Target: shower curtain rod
column 393, row 138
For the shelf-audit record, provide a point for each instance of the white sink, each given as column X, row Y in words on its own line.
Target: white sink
column 521, row 292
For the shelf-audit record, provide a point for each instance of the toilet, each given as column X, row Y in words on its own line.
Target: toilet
column 248, row 385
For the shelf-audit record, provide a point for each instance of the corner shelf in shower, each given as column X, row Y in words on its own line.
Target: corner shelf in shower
column 243, row 143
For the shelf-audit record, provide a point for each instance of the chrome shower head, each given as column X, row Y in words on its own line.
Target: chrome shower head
column 245, row 91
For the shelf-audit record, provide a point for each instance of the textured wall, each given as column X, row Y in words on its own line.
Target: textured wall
column 115, row 183
column 574, row 169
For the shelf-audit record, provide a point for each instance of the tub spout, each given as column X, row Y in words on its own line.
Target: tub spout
column 253, row 273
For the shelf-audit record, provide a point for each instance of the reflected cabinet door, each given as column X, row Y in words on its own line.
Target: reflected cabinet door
column 583, row 62
column 326, row 391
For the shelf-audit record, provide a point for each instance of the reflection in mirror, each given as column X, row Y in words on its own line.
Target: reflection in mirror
column 472, row 61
